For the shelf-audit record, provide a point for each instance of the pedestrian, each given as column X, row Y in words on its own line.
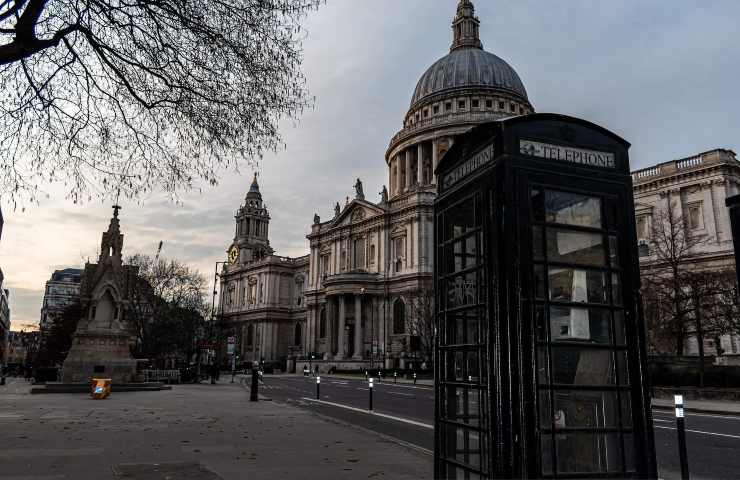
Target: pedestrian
column 212, row 371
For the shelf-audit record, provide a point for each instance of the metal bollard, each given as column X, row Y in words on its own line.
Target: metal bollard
column 414, row 378
column 681, row 428
column 253, row 393
column 395, row 377
column 318, row 386
column 371, row 394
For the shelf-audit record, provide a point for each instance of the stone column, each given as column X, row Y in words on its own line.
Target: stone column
column 358, row 329
column 420, row 164
column 394, row 175
column 382, row 320
column 340, row 328
column 408, row 169
column 375, row 328
column 435, row 160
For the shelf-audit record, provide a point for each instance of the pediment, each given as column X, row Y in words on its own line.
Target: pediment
column 356, row 212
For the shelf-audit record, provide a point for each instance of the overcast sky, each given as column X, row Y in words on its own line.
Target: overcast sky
column 661, row 73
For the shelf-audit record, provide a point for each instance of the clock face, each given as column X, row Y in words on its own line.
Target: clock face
column 233, row 254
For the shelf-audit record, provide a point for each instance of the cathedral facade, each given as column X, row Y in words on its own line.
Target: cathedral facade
column 262, row 302
column 366, row 283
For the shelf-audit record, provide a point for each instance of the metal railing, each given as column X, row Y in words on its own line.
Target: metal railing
column 169, row 376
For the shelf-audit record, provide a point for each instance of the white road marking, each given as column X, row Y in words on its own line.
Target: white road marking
column 659, row 420
column 690, row 413
column 360, row 410
column 401, row 393
column 701, row 432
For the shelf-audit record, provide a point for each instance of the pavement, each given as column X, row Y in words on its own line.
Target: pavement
column 200, row 431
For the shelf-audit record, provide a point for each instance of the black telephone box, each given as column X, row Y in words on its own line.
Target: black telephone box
column 540, row 351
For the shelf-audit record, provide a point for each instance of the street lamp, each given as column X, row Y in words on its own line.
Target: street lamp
column 213, row 307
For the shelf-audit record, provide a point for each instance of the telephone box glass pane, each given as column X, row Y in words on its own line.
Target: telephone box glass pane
column 566, row 208
column 569, row 246
column 588, row 453
column 589, row 325
column 579, row 366
column 577, row 285
column 585, row 409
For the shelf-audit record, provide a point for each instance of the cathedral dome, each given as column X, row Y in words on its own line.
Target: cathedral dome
column 468, row 67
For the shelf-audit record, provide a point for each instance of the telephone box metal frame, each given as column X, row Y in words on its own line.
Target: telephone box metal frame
column 540, row 358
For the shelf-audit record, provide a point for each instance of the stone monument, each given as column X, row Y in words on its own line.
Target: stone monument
column 101, row 343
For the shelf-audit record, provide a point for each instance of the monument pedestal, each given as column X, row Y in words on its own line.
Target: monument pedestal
column 101, row 355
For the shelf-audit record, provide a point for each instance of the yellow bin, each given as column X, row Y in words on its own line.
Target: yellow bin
column 100, row 388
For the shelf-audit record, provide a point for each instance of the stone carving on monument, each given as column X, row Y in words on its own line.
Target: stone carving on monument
column 101, row 344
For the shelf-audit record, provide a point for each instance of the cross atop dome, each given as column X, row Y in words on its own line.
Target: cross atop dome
column 466, row 27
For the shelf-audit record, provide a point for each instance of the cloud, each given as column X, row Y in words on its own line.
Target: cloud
column 662, row 77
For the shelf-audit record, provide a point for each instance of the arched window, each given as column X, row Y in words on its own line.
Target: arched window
column 298, row 335
column 399, row 316
column 250, row 336
column 322, row 323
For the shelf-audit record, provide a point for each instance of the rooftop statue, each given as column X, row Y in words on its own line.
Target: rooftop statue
column 359, row 194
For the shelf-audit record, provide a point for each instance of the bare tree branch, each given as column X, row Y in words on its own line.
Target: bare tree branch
column 105, row 96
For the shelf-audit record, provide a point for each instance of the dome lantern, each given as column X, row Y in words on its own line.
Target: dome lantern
column 466, row 27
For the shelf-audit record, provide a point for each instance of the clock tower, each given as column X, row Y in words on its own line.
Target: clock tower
column 251, row 240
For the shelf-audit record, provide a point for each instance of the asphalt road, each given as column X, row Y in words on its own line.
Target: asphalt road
column 407, row 414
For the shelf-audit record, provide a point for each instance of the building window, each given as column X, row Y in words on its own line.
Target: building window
column 399, row 317
column 426, row 113
column 695, row 217
column 298, row 335
column 359, row 253
column 448, row 106
column 476, row 103
column 512, row 107
column 489, row 103
column 643, row 225
column 324, row 266
column 399, row 251
column 461, row 104
column 436, row 109
column 500, row 105
column 322, row 323
column 372, row 255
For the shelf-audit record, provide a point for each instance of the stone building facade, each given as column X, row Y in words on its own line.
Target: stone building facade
column 22, row 347
column 697, row 187
column 262, row 300
column 4, row 320
column 62, row 290
column 369, row 262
